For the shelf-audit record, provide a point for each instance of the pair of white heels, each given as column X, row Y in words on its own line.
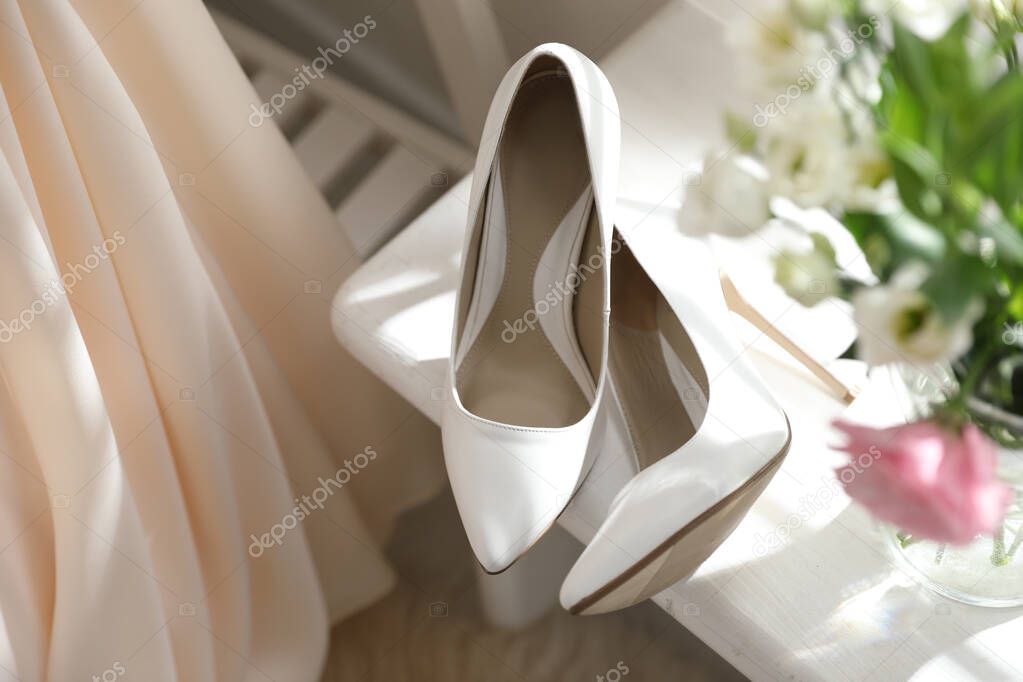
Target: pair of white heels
column 560, row 319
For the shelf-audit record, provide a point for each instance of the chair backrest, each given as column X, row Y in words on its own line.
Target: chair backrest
column 470, row 52
column 377, row 166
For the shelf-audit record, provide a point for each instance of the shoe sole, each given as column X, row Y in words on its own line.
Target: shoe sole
column 680, row 555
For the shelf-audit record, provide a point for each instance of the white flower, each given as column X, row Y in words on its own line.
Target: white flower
column 810, row 221
column 993, row 11
column 808, row 276
column 805, row 152
column 863, row 76
column 871, row 185
column 731, row 197
column 815, row 14
column 929, row 19
column 898, row 323
column 775, row 50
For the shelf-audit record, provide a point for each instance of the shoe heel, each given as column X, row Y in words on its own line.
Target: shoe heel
column 740, row 306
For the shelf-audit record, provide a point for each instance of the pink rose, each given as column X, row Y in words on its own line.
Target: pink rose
column 927, row 479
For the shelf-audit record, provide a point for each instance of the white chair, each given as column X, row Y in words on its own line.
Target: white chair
column 467, row 43
column 377, row 166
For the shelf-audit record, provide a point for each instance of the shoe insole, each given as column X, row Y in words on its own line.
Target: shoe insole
column 655, row 368
column 520, row 377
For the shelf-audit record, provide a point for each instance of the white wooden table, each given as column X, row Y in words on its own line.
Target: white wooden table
column 804, row 588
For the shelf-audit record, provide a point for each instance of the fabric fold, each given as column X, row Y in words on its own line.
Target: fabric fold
column 159, row 441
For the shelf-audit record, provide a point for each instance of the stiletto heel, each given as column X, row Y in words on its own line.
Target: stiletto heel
column 740, row 306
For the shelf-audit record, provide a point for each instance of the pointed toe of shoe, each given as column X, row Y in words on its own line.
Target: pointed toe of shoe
column 671, row 517
column 498, row 543
column 588, row 579
column 610, row 574
column 510, row 484
column 614, row 573
column 505, row 506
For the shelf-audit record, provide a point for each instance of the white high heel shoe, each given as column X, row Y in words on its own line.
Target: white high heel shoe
column 529, row 348
column 707, row 434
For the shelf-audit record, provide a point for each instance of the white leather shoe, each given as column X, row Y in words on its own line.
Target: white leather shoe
column 707, row 435
column 529, row 348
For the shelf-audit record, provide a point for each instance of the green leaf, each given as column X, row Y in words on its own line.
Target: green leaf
column 1000, row 105
column 934, row 86
column 952, row 63
column 991, row 150
column 916, row 238
column 954, row 283
column 1008, row 240
column 912, row 153
column 913, row 63
column 890, row 240
column 904, row 111
column 939, row 72
column 1015, row 306
column 917, row 175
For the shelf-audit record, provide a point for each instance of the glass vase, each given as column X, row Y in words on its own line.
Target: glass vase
column 989, row 570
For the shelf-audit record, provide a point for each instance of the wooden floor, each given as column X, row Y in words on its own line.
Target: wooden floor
column 398, row 639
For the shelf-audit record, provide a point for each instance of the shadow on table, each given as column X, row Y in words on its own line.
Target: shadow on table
column 881, row 624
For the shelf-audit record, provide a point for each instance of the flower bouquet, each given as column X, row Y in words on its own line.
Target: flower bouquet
column 904, row 121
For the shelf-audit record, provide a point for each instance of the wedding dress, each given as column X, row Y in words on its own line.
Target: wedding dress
column 173, row 404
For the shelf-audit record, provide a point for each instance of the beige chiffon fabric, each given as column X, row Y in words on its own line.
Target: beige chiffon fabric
column 181, row 391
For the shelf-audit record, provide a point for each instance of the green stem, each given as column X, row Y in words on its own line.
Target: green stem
column 978, row 365
column 1016, row 542
column 973, row 375
column 998, row 554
